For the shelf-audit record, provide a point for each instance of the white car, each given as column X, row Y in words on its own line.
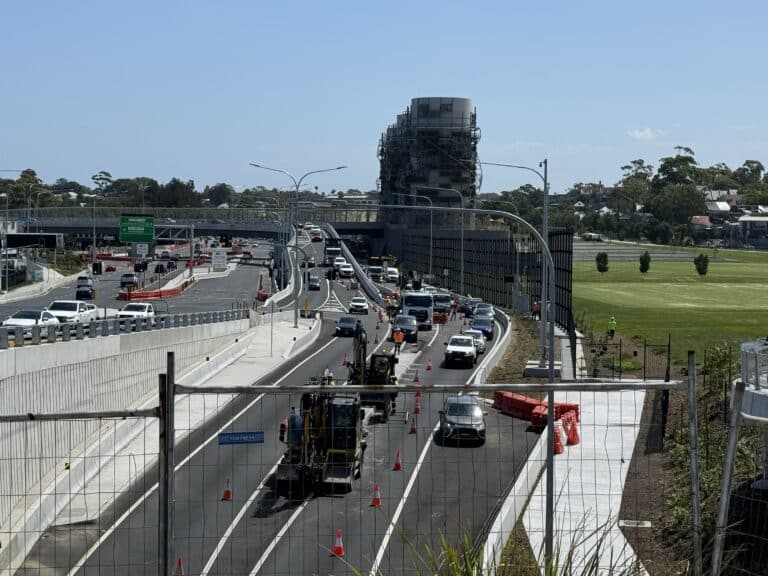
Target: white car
column 73, row 311
column 358, row 305
column 478, row 337
column 28, row 318
column 137, row 310
column 346, row 271
column 393, row 275
column 338, row 262
column 461, row 349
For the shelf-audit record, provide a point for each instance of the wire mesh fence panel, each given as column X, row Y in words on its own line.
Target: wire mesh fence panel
column 65, row 483
column 284, row 483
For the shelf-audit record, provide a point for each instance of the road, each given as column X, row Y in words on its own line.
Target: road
column 444, row 490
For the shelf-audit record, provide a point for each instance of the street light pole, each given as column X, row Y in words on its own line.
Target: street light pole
column 461, row 199
column 545, row 299
column 293, row 225
column 431, row 278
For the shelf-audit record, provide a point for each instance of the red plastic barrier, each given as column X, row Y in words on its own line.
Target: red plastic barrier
column 518, row 405
column 535, row 411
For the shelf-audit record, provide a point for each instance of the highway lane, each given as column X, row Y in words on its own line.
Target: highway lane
column 456, row 489
column 199, row 484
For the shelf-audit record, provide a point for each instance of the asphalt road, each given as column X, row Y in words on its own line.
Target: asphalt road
column 451, row 490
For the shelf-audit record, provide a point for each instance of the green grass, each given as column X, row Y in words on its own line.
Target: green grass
column 729, row 304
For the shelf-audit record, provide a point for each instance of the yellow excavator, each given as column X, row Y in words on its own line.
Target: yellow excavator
column 379, row 372
column 325, row 439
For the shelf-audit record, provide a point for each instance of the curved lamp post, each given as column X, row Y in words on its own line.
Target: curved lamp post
column 461, row 198
column 293, row 214
column 427, row 198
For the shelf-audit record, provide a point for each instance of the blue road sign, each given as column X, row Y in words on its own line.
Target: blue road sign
column 241, row 438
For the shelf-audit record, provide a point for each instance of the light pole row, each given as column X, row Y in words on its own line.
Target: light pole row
column 293, row 224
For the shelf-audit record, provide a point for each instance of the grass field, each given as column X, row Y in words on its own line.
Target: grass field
column 729, row 304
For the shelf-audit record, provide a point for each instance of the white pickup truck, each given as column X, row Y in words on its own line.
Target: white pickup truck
column 73, row 311
column 137, row 310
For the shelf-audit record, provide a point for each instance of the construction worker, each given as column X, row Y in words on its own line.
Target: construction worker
column 611, row 327
column 397, row 338
column 454, row 308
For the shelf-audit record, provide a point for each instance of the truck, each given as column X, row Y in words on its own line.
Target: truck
column 137, row 310
column 325, row 440
column 73, row 311
column 421, row 305
column 378, row 371
column 331, row 251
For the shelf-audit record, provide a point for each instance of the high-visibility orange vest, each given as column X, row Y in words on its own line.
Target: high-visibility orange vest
column 398, row 337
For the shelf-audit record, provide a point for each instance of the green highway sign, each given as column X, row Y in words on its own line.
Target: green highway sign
column 137, row 228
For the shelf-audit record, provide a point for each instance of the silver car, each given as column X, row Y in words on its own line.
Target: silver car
column 478, row 337
column 462, row 417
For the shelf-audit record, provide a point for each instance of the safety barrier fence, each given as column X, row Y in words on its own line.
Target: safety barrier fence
column 18, row 336
column 451, row 468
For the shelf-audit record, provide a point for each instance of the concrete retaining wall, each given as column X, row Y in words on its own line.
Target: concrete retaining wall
column 110, row 373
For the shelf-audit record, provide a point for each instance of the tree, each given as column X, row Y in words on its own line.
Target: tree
column 702, row 264
column 220, row 194
column 102, row 180
column 645, row 262
column 602, row 262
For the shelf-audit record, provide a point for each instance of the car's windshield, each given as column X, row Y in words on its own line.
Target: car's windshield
column 134, row 307
column 405, row 321
column 358, row 300
column 442, row 298
column 26, row 315
column 375, row 269
column 66, row 306
column 418, row 300
column 458, row 409
column 347, row 320
column 461, row 341
column 128, row 276
column 482, row 322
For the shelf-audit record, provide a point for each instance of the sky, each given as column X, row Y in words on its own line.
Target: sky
column 198, row 89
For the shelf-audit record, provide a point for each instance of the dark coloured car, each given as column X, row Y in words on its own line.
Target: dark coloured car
column 348, row 326
column 308, row 263
column 84, row 281
column 129, row 281
column 466, row 305
column 314, row 283
column 84, row 293
column 408, row 325
column 485, row 325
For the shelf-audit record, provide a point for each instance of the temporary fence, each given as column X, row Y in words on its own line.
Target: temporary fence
column 451, row 467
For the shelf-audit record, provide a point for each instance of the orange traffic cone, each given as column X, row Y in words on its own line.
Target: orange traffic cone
column 413, row 423
column 398, row 467
column 559, row 449
column 417, row 408
column 338, row 546
column 345, row 362
column 572, row 433
column 179, row 567
column 416, row 378
column 376, row 502
column 227, row 497
column 429, row 364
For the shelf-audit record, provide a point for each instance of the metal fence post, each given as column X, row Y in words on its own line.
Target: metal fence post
column 166, row 469
column 645, row 356
column 694, row 440
column 725, row 493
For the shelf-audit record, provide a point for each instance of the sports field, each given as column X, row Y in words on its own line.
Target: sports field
column 729, row 304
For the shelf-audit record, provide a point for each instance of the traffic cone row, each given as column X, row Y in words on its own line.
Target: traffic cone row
column 417, row 408
column 398, row 467
column 338, row 545
column 571, row 428
column 416, row 378
column 376, row 501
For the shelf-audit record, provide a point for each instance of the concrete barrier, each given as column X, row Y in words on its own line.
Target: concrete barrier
column 302, row 342
column 513, row 507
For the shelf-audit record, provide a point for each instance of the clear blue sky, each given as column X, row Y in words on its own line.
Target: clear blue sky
column 197, row 89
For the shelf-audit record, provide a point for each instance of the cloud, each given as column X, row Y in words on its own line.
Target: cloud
column 645, row 134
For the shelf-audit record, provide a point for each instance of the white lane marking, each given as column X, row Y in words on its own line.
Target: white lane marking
column 280, row 534
column 437, row 331
column 240, row 514
column 399, row 510
column 81, row 563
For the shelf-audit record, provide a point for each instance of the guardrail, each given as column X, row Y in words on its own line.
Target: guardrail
column 36, row 335
column 367, row 284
